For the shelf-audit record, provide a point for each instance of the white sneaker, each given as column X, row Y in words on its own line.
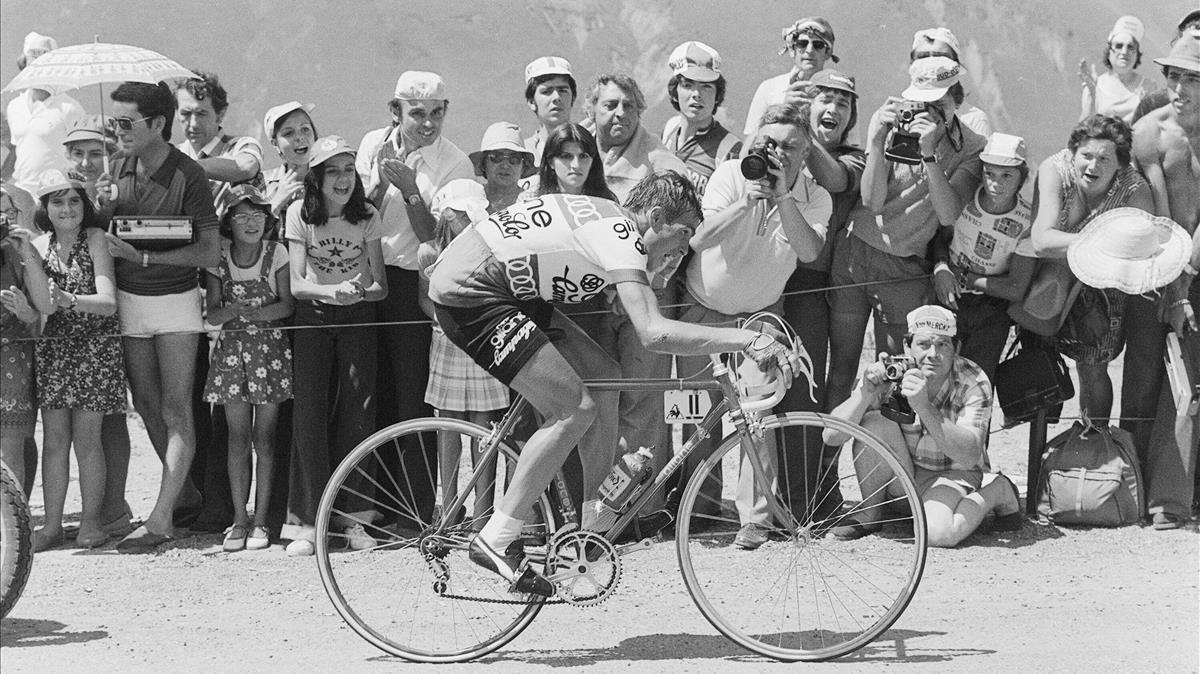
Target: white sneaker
column 358, row 537
column 300, row 548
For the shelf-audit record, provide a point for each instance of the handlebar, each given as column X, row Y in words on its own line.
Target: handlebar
column 762, row 397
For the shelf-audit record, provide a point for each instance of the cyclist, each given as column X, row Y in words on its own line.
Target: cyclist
column 492, row 288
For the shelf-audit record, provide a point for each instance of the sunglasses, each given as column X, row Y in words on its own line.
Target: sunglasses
column 802, row 44
column 931, row 54
column 123, row 123
column 509, row 157
column 1122, row 46
column 243, row 219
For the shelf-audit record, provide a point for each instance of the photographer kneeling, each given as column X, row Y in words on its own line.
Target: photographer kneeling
column 932, row 409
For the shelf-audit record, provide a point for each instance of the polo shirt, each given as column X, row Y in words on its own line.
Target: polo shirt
column 178, row 187
column 435, row 165
column 644, row 154
column 701, row 152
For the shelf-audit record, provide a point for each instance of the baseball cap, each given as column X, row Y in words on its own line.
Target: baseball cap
column 277, row 113
column 55, row 180
column 1128, row 24
column 932, row 319
column 243, row 192
column 416, row 85
column 1185, row 54
column 1004, row 149
column 930, row 78
column 923, row 39
column 696, row 61
column 328, row 147
column 462, row 194
column 810, row 25
column 547, row 65
column 833, row 79
column 37, row 44
column 91, row 127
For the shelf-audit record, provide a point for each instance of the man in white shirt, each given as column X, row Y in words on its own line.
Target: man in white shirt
column 753, row 234
column 402, row 166
column 38, row 120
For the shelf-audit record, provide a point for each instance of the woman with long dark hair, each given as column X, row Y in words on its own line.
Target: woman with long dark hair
column 571, row 164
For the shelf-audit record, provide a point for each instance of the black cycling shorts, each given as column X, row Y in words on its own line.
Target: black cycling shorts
column 501, row 336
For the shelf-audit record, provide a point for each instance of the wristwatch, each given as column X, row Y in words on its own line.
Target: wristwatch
column 413, row 199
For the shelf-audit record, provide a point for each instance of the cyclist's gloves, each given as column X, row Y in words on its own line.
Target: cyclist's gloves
column 770, row 349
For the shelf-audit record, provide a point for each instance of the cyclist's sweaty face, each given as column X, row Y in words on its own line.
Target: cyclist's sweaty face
column 666, row 244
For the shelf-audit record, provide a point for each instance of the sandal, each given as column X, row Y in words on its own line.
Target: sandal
column 235, row 538
column 259, row 538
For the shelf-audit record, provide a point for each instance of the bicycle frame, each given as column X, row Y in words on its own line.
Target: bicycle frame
column 724, row 380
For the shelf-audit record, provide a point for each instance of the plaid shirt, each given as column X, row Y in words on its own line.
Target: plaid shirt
column 965, row 397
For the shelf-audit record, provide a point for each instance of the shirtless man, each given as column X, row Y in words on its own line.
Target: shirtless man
column 1166, row 146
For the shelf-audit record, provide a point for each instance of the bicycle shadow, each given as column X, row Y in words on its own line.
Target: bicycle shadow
column 893, row 646
column 28, row 632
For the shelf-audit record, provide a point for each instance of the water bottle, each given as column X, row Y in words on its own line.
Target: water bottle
column 628, row 478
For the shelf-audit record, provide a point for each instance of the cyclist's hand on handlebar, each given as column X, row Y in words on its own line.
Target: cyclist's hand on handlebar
column 770, row 349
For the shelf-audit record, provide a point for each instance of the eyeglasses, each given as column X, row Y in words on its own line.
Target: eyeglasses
column 1123, row 46
column 802, row 44
column 123, row 123
column 510, row 157
column 243, row 219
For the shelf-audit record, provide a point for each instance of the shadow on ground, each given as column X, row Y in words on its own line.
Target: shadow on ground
column 27, row 632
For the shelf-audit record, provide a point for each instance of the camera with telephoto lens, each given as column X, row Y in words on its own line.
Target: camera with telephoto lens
column 905, row 147
column 896, row 406
column 757, row 163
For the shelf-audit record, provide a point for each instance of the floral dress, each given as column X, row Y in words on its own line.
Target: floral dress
column 17, row 411
column 80, row 363
column 252, row 362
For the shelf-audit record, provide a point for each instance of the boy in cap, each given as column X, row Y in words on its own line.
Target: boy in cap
column 696, row 89
column 941, row 42
column 943, row 450
column 882, row 261
column 809, row 42
column 550, row 92
column 1163, row 143
column 985, row 259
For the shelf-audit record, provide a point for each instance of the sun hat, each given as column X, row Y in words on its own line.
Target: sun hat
column 833, row 79
column 934, row 319
column 503, row 136
column 1185, row 54
column 925, row 38
column 1004, row 149
column 1130, row 250
column 276, row 114
column 547, row 65
column 37, row 44
column 930, row 78
column 696, row 61
column 243, row 192
column 54, row 180
column 417, row 85
column 328, row 147
column 816, row 26
column 1128, row 24
column 90, row 127
column 462, row 194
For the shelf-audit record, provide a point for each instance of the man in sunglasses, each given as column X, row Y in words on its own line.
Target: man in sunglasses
column 402, row 166
column 158, row 296
column 809, row 42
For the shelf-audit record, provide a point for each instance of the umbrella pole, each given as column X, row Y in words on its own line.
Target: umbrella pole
column 103, row 124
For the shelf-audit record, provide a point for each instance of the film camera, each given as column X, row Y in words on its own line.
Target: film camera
column 905, row 147
column 896, row 406
column 5, row 226
column 757, row 163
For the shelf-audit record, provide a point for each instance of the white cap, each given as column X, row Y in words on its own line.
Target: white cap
column 926, row 38
column 932, row 318
column 464, row 195
column 1128, row 24
column 415, row 85
column 547, row 65
column 277, row 113
column 696, row 61
column 1004, row 149
column 37, row 44
column 930, row 78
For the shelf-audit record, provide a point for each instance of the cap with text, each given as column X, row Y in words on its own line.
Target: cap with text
column 328, row 147
column 696, row 61
column 930, row 78
column 833, row 79
column 932, row 319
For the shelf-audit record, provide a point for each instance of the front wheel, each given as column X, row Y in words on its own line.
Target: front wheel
column 802, row 594
column 16, row 544
column 394, row 560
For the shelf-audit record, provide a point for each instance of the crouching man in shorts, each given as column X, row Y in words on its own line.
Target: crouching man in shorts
column 942, row 448
column 492, row 290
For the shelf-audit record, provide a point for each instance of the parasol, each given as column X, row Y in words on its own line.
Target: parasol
column 81, row 65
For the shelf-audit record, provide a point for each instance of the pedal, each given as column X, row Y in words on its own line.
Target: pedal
column 644, row 544
column 530, row 582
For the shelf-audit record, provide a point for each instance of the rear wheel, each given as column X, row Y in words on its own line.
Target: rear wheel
column 16, row 545
column 401, row 580
column 803, row 594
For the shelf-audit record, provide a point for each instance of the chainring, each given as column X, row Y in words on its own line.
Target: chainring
column 584, row 566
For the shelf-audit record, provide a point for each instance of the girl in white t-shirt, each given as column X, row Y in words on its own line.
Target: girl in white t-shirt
column 250, row 373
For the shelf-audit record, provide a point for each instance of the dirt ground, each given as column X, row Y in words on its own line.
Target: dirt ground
column 1050, row 598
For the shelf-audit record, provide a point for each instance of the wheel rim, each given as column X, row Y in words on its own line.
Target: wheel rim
column 802, row 595
column 386, row 591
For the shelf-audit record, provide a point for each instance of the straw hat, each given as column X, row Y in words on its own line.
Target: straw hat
column 1130, row 250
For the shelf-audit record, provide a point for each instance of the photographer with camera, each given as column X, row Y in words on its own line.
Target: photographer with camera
column 932, row 408
column 761, row 215
column 922, row 166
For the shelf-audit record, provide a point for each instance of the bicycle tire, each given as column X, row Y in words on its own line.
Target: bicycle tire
column 387, row 593
column 16, row 544
column 803, row 595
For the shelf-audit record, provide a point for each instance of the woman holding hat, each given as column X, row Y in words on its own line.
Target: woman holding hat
column 336, row 263
column 293, row 133
column 80, row 368
column 502, row 161
column 1117, row 91
column 1074, row 186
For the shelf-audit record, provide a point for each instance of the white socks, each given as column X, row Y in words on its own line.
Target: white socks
column 500, row 530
